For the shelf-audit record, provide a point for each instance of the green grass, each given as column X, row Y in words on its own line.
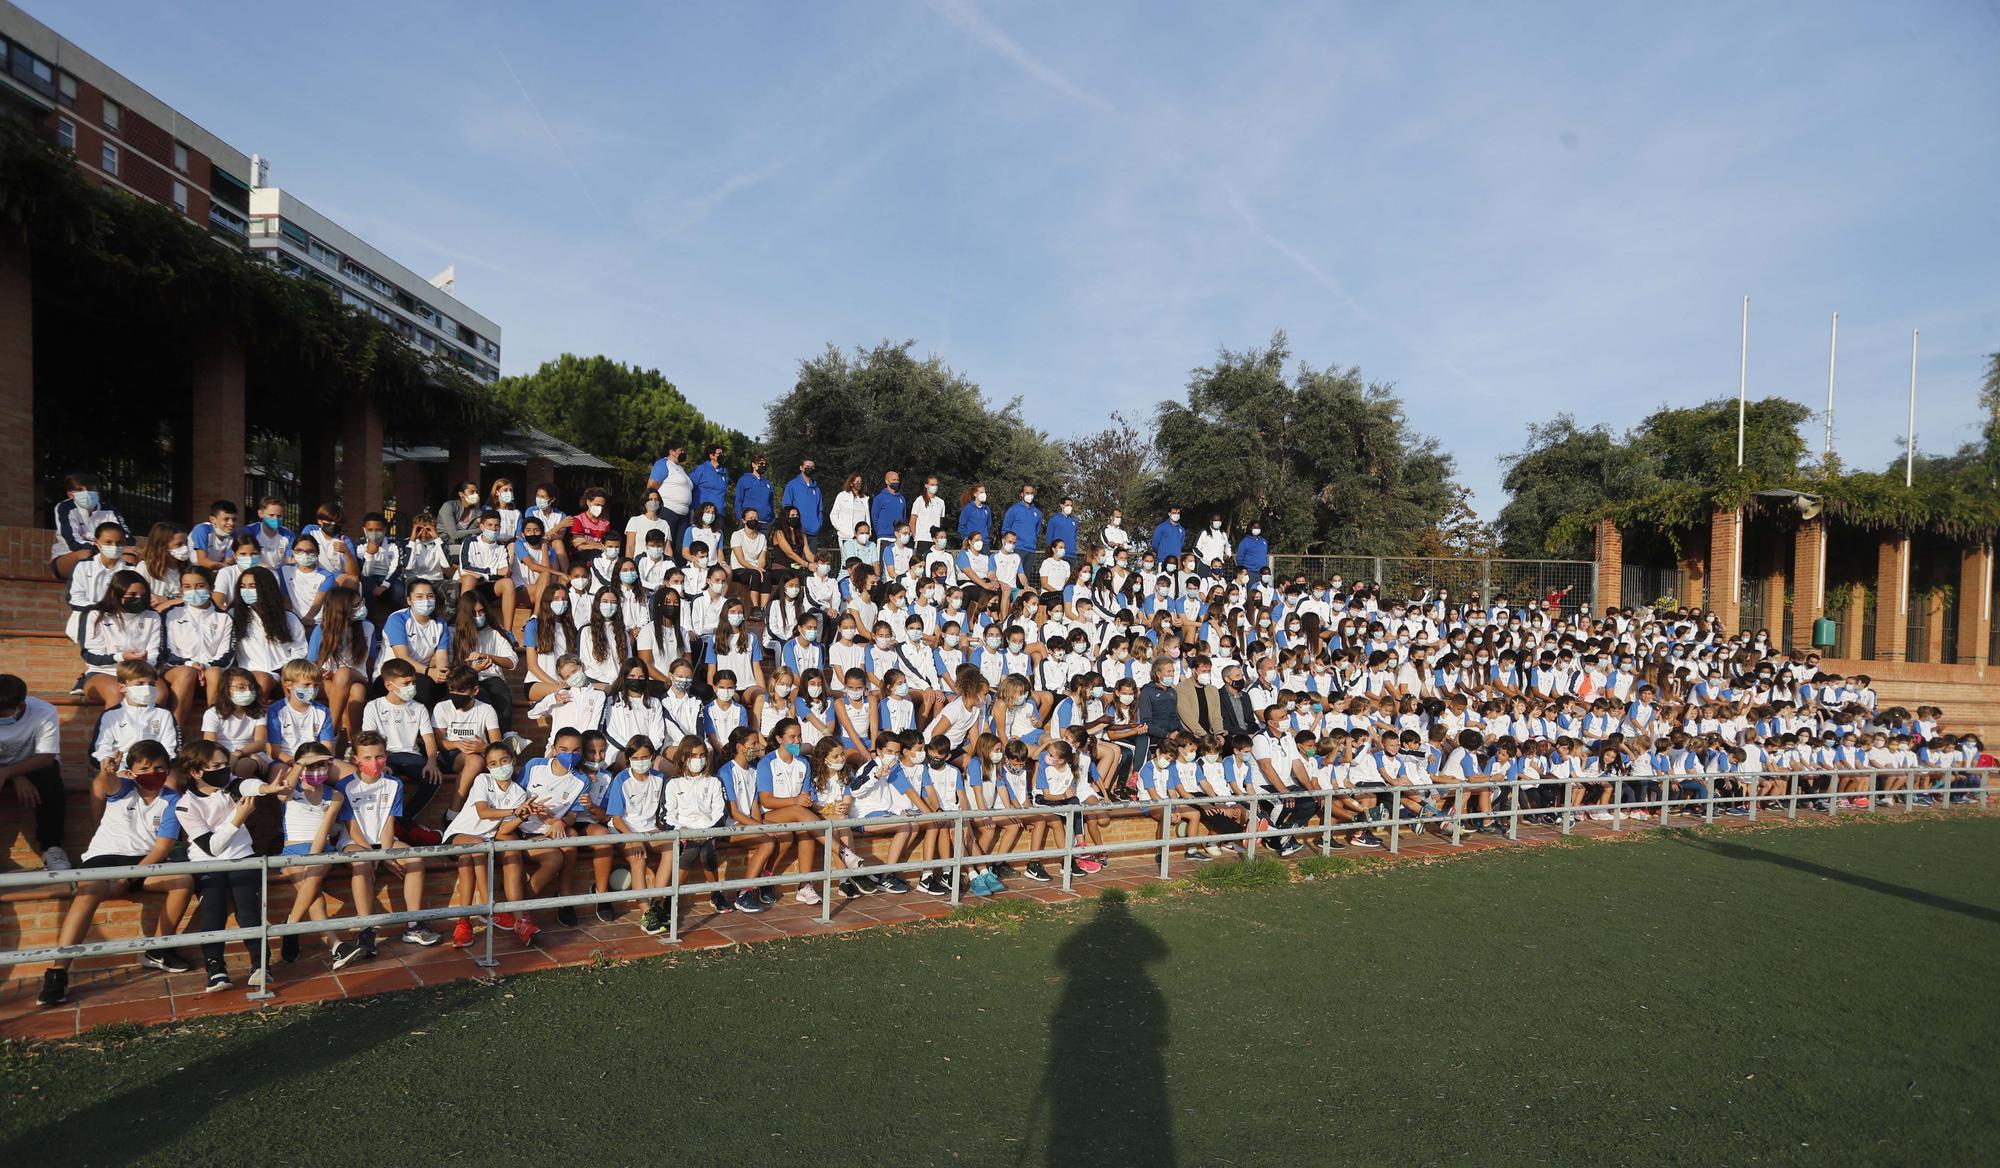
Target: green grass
column 1791, row 996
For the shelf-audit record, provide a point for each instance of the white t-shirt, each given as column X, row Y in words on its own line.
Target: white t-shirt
column 468, row 725
column 131, row 824
column 369, row 805
column 485, row 789
column 403, row 724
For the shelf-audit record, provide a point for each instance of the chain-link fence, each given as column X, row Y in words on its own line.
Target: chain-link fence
column 1477, row 577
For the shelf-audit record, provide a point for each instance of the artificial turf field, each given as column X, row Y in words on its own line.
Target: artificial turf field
column 1805, row 995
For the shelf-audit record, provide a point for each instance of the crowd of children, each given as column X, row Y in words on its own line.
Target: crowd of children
column 873, row 661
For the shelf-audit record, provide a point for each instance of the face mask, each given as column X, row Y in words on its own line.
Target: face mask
column 1028, row 498
column 596, row 509
column 506, row 497
column 424, row 606
column 822, row 569
column 885, row 643
column 315, row 776
column 246, row 562
column 735, row 619
column 724, row 696
column 567, row 759
column 558, row 605
column 305, row 693
column 371, row 767
column 855, row 695
column 183, row 553
column 1175, row 517
column 196, row 599
column 628, row 576
column 1007, row 547
column 478, row 620
column 652, row 505
column 110, row 551
column 272, row 521
column 902, row 689
column 140, row 696
column 84, row 500
column 683, row 684
column 979, row 496
column 1215, row 525
column 791, row 750
column 951, row 640
column 133, row 604
column 913, row 635
column 992, row 642
column 488, row 534
column 149, row 780
column 697, row 764
column 815, row 689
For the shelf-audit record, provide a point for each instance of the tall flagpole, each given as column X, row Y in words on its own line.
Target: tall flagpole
column 1742, row 381
column 1832, row 357
column 1910, row 451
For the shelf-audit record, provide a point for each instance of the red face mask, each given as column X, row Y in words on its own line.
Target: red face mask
column 371, row 767
column 150, row 780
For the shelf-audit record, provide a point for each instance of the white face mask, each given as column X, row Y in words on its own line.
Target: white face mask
column 596, row 509
column 140, row 696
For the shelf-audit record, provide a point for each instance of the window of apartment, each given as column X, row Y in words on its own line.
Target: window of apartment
column 181, row 197
column 66, row 133
column 66, row 90
column 180, row 157
column 323, row 253
column 109, row 159
column 112, row 115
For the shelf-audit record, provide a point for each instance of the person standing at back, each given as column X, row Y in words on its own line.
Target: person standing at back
column 676, row 491
column 711, row 482
column 889, row 507
column 753, row 490
column 1169, row 537
column 1023, row 521
column 803, row 493
column 926, row 516
column 1062, row 528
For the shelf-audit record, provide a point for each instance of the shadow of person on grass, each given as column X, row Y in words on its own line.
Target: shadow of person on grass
column 1105, row 1086
column 1736, row 851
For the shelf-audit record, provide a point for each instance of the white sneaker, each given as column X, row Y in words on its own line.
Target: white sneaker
column 55, row 860
column 807, row 894
column 257, row 980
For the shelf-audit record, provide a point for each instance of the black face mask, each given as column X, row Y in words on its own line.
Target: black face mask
column 463, row 701
column 132, row 603
column 533, row 540
column 635, row 684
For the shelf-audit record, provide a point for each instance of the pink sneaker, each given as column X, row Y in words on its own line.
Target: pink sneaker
column 1088, row 864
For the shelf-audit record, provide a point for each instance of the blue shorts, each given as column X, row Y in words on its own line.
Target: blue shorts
column 296, row 850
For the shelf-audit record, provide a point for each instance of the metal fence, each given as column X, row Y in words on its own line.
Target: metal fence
column 1680, row 800
column 1461, row 576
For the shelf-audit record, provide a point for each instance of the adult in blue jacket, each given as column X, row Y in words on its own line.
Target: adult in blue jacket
column 1062, row 526
column 974, row 516
column 803, row 493
column 711, row 481
column 1169, row 537
column 889, row 507
column 753, row 490
column 1023, row 520
column 1252, row 552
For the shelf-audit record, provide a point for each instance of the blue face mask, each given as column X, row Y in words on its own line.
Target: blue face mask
column 628, row 576
column 272, row 521
column 568, row 758
column 791, row 750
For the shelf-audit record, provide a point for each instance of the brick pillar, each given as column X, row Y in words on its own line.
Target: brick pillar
column 1892, row 603
column 1808, row 579
column 1725, row 567
column 17, row 385
column 1934, row 631
column 1694, row 574
column 1975, row 603
column 317, row 468
column 1610, row 566
column 361, row 460
column 462, row 464
column 219, row 437
column 410, row 500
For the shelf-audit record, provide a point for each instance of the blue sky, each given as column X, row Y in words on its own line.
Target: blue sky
column 1506, row 210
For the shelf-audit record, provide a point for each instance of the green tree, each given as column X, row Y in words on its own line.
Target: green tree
column 1697, row 444
column 621, row 413
column 1565, row 470
column 1114, row 468
column 1325, row 459
column 882, row 409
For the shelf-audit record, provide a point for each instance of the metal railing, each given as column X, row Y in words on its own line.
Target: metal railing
column 1464, row 577
column 1691, row 798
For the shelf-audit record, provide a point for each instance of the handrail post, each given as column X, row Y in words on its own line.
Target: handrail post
column 1166, row 837
column 1326, row 823
column 1711, row 787
column 826, row 863
column 492, row 898
column 1069, row 847
column 1756, row 795
column 674, row 897
column 1250, row 828
column 1395, row 822
column 263, row 992
column 957, row 854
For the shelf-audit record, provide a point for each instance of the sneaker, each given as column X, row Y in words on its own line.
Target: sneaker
column 461, row 934
column 1200, row 856
column 344, row 953
column 164, row 960
column 422, row 837
column 566, row 917
column 849, row 889
column 55, row 988
column 722, row 903
column 417, row 934
column 218, row 982
column 748, row 901
column 933, row 885
column 606, row 914
column 768, row 896
column 1290, row 848
column 288, row 948
column 1076, row 868
column 807, row 894
column 1366, row 839
column 526, row 930
column 1037, row 873
column 895, row 884
column 1004, row 871
column 55, row 860
column 368, row 942
column 1336, row 843
column 1090, row 864
column 258, row 979
column 980, row 885
column 503, row 920
column 869, row 885
column 651, row 923
column 993, row 885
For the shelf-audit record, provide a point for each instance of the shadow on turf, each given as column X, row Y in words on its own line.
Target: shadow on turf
column 1104, row 1090
column 1736, row 851
column 135, row 1124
